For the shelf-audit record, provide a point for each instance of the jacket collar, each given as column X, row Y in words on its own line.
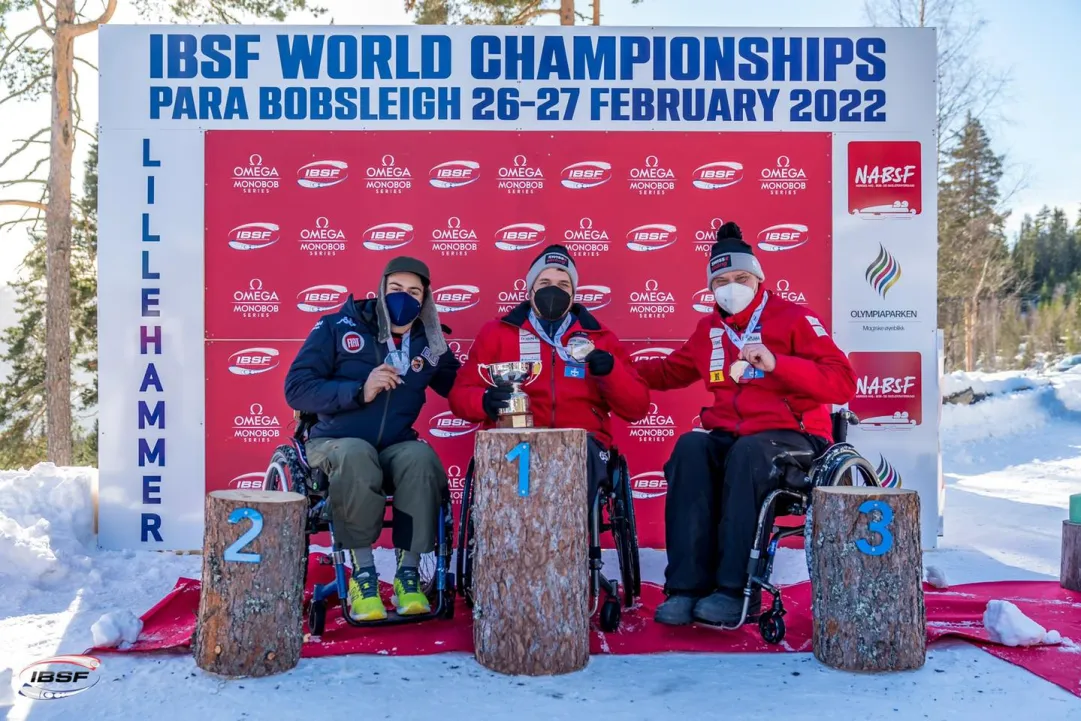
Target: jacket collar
column 740, row 320
column 520, row 315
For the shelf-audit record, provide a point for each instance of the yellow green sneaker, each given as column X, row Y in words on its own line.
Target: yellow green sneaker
column 408, row 598
column 364, row 601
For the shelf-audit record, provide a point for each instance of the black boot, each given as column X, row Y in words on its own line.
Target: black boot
column 725, row 607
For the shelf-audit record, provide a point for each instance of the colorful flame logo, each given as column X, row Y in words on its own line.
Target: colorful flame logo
column 887, row 474
column 884, row 272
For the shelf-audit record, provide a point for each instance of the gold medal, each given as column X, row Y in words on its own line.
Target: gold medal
column 737, row 369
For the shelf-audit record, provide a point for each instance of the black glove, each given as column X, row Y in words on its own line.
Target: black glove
column 495, row 398
column 600, row 362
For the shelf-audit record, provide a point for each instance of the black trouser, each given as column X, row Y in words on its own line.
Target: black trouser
column 717, row 483
column 596, row 467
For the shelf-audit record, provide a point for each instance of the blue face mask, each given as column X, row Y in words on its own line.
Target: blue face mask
column 402, row 308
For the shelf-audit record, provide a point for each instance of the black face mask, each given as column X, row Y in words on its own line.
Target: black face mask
column 551, row 302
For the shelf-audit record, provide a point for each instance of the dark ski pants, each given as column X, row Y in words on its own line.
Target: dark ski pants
column 717, row 483
column 360, row 480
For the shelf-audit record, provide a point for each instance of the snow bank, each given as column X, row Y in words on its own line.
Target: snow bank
column 119, row 628
column 990, row 384
column 1008, row 625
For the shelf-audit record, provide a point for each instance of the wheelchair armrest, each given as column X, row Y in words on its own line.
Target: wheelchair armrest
column 841, row 420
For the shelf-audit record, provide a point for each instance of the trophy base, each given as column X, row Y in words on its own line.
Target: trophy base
column 515, row 420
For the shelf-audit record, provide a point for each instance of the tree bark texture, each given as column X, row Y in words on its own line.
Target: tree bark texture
column 866, row 571
column 530, row 578
column 250, row 613
column 1070, row 577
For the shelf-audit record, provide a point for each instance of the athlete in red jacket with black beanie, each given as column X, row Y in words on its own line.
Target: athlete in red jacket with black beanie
column 565, row 394
column 772, row 369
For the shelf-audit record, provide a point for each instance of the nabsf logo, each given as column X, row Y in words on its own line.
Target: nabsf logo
column 453, row 298
column 784, row 236
column 387, row 236
column 652, row 236
column 253, row 361
column 58, row 677
column 593, row 297
column 714, row 176
column 321, row 298
column 253, row 236
column 586, row 174
column 650, row 484
column 519, row 236
column 784, row 290
column 322, row 173
column 703, row 301
column 253, row 481
column 454, row 174
column 447, row 425
column 650, row 353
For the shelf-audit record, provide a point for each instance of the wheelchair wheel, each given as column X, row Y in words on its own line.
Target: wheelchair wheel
column 286, row 472
column 625, row 535
column 841, row 465
column 610, row 615
column 466, row 541
column 772, row 627
column 317, row 618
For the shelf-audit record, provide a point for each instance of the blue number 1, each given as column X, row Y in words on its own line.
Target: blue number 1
column 878, row 527
column 232, row 553
column 521, row 452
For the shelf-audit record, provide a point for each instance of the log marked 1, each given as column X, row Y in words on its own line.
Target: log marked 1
column 521, row 452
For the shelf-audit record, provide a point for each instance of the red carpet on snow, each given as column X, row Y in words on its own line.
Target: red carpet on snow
column 956, row 612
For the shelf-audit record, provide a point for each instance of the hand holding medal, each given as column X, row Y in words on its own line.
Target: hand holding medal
column 758, row 356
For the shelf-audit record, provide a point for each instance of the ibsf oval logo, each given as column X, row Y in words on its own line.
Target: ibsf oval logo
column 586, row 174
column 253, row 361
column 249, row 481
column 519, row 236
column 454, row 174
column 321, row 298
column 593, row 297
column 253, row 236
column 453, row 298
column 650, row 484
column 58, row 677
column 387, row 236
column 784, row 236
column 703, row 301
column 322, row 173
column 652, row 236
column 447, row 425
column 714, row 176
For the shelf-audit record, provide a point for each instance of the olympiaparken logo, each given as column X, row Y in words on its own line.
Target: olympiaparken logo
column 884, row 272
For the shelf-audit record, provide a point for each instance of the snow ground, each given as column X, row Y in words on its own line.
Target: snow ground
column 1011, row 463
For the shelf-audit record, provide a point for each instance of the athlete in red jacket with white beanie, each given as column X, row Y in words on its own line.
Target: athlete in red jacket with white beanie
column 772, row 369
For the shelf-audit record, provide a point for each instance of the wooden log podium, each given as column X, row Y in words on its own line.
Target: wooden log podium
column 250, row 608
column 1070, row 577
column 866, row 578
column 530, row 573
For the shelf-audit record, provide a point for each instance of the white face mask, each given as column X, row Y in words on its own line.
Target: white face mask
column 733, row 297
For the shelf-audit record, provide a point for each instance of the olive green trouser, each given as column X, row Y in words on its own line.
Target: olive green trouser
column 360, row 481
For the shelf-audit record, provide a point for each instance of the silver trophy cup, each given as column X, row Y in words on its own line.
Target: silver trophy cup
column 515, row 374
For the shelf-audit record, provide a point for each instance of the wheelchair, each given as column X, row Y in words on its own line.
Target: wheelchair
column 612, row 511
column 800, row 473
column 289, row 471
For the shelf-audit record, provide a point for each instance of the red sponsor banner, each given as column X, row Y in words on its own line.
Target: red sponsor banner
column 889, row 390
column 885, row 179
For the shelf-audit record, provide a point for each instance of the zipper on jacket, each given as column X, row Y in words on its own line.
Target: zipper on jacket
column 383, row 422
column 735, row 407
column 797, row 416
column 553, row 374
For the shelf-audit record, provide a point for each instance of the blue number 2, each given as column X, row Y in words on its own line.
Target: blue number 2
column 232, row 553
column 878, row 527
column 521, row 452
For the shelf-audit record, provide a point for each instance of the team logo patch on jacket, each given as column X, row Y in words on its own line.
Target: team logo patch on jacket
column 353, row 342
column 417, row 364
column 427, row 354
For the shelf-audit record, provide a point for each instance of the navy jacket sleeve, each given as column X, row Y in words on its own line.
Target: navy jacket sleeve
column 310, row 386
column 445, row 373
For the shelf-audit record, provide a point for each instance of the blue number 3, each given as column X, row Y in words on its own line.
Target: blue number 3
column 878, row 527
column 232, row 553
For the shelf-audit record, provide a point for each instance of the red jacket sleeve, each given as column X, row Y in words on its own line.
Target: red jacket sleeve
column 679, row 369
column 466, row 397
column 623, row 389
column 817, row 368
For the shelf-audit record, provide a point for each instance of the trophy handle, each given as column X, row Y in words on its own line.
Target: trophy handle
column 537, row 365
column 481, row 368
